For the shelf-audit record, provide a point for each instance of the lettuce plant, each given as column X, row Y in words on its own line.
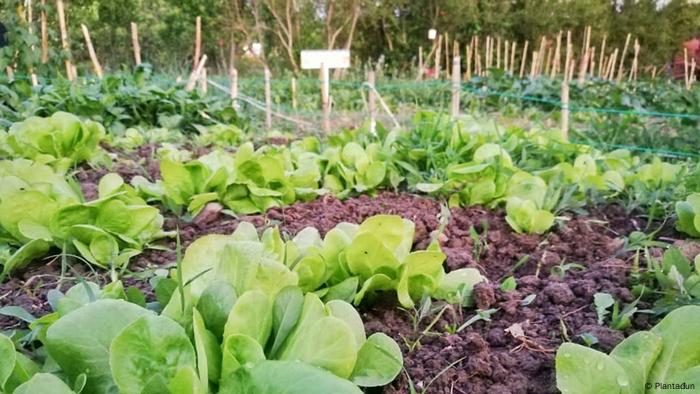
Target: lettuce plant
column 61, row 139
column 524, row 216
column 39, row 209
column 284, row 342
column 353, row 168
column 639, row 364
column 688, row 212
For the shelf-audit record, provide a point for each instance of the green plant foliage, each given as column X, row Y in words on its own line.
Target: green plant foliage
column 688, row 215
column 39, row 208
column 663, row 354
column 61, row 140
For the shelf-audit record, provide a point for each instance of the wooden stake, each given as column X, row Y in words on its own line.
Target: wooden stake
column 514, row 46
column 234, row 87
column 420, row 63
column 447, row 56
column 653, row 73
column 533, row 65
column 325, row 99
column 565, row 109
column 64, row 38
column 685, row 68
column 456, row 85
column 548, row 62
column 621, row 70
column 268, row 99
column 602, row 57
column 203, row 84
column 582, row 68
column 498, row 52
column 611, row 68
column 197, row 41
column 556, row 62
column 372, row 106
column 44, row 34
column 194, row 76
column 135, row 43
column 506, row 47
column 437, row 58
column 294, row 93
column 591, row 65
column 540, row 55
column 523, row 60
column 468, row 74
column 91, row 51
column 477, row 57
column 30, row 18
column 633, row 71
column 568, row 54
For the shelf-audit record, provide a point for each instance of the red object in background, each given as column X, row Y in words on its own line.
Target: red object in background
column 678, row 64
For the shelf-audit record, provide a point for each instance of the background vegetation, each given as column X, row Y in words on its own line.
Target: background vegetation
column 388, row 29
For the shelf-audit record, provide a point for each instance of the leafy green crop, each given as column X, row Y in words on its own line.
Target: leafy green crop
column 39, row 208
column 287, row 341
column 61, row 139
column 688, row 212
column 665, row 354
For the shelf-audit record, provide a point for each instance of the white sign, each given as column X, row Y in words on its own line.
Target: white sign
column 432, row 33
column 256, row 48
column 334, row 58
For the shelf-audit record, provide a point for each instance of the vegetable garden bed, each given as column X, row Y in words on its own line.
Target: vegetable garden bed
column 508, row 346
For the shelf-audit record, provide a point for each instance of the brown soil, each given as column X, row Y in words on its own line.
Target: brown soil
column 486, row 357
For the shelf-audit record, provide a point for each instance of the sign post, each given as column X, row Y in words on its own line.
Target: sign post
column 324, row 60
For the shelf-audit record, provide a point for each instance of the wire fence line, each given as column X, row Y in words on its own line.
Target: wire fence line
column 309, row 120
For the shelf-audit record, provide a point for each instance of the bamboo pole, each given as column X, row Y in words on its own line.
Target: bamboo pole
column 611, row 67
column 533, row 64
column 506, row 47
column 653, row 73
column 64, row 38
column 325, row 98
column 568, row 54
column 523, row 60
column 420, row 63
column 268, row 98
column 194, row 76
column 582, row 68
column 498, row 52
column 44, row 34
column 468, row 73
column 233, row 93
column 556, row 61
column 447, row 56
column 477, row 57
column 91, row 51
column 294, row 93
column 437, row 58
column 197, row 41
column 548, row 62
column 30, row 19
column 633, row 70
column 372, row 103
column 514, row 46
column 135, row 43
column 591, row 65
column 621, row 69
column 691, row 80
column 203, row 82
column 541, row 55
column 601, row 59
column 456, row 85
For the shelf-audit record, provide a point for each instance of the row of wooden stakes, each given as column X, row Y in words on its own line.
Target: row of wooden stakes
column 545, row 60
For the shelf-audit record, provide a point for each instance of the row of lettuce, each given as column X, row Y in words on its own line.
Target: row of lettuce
column 534, row 174
column 250, row 313
column 241, row 313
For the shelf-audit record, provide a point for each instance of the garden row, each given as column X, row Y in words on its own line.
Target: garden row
column 263, row 313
